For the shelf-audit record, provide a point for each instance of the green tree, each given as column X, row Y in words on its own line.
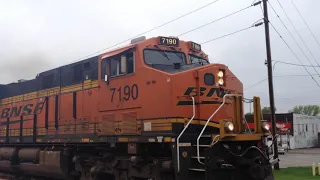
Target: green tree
column 267, row 110
column 310, row 110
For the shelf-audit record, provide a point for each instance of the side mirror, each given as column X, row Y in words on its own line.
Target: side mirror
column 123, row 64
column 106, row 78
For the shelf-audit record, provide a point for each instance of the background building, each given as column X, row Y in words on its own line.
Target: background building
column 295, row 130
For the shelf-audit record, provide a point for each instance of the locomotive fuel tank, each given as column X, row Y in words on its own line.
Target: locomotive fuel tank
column 30, row 155
column 33, row 162
column 8, row 153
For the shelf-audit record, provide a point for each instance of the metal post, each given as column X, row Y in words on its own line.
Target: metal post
column 271, row 95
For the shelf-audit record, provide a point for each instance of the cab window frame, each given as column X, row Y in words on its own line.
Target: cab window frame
column 106, row 64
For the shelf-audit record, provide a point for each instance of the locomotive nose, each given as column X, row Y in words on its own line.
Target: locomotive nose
column 214, row 82
column 208, row 85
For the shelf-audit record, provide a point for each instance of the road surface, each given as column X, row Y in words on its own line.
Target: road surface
column 300, row 157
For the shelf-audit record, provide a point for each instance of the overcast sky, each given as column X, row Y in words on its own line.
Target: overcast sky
column 39, row 35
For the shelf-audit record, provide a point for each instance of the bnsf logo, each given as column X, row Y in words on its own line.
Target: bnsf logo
column 204, row 92
column 218, row 92
column 23, row 110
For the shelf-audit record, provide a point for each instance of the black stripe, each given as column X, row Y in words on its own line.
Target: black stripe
column 56, row 112
column 184, row 103
column 14, row 122
column 7, row 130
column 35, row 121
column 189, row 103
column 211, row 102
column 21, row 128
column 47, row 114
column 75, row 105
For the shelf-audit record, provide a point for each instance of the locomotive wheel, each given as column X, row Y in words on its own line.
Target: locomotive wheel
column 122, row 175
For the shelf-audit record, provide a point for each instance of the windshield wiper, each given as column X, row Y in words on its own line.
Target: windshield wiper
column 180, row 56
column 164, row 54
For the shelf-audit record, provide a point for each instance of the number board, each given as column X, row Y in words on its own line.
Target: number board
column 169, row 41
column 195, row 46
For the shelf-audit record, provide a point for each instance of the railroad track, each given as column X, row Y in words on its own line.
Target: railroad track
column 4, row 176
column 7, row 177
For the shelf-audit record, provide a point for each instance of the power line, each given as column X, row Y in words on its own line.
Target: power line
column 232, row 33
column 256, row 84
column 293, row 53
column 219, row 19
column 293, row 36
column 156, row 27
column 305, row 22
column 293, row 75
column 297, row 33
column 295, row 64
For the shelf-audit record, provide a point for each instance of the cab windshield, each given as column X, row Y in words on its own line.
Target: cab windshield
column 168, row 61
column 164, row 58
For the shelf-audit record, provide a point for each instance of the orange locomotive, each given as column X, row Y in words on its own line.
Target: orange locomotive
column 155, row 109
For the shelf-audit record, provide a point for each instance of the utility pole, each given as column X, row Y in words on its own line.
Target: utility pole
column 270, row 78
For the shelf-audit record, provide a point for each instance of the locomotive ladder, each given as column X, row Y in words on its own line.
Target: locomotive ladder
column 201, row 133
column 184, row 129
column 205, row 126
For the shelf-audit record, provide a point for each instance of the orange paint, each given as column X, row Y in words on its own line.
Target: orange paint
column 153, row 94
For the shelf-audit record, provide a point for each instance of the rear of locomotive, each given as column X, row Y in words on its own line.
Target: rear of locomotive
column 211, row 140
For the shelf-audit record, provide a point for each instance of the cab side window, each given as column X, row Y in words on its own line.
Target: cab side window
column 130, row 63
column 114, row 67
column 118, row 65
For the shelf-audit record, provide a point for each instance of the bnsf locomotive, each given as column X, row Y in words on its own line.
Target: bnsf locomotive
column 155, row 109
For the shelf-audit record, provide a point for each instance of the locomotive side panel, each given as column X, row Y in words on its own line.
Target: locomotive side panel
column 17, row 119
column 66, row 108
column 51, row 115
column 90, row 106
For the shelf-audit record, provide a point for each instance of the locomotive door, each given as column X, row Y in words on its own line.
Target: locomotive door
column 119, row 91
column 117, row 88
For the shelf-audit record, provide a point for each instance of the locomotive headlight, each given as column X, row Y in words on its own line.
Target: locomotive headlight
column 220, row 81
column 229, row 126
column 220, row 74
column 266, row 126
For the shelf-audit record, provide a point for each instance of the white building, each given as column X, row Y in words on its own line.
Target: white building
column 295, row 130
column 305, row 131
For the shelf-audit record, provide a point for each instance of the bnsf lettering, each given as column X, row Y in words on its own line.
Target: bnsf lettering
column 15, row 111
column 219, row 92
column 27, row 109
column 38, row 108
column 193, row 91
column 5, row 112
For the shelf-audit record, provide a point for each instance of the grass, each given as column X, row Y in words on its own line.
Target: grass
column 295, row 173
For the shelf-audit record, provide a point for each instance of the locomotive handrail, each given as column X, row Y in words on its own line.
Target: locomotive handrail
column 205, row 126
column 184, row 129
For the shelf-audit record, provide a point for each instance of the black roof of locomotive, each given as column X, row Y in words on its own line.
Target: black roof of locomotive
column 60, row 76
